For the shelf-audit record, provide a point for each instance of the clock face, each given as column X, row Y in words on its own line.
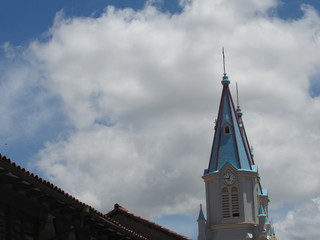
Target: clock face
column 229, row 178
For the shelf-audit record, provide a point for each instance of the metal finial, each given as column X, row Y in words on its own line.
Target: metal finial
column 239, row 112
column 224, row 62
column 237, row 95
column 225, row 80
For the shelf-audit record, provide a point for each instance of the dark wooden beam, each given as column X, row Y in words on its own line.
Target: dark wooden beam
column 45, row 199
column 3, row 171
column 9, row 179
column 57, row 205
column 34, row 193
column 21, row 186
column 68, row 211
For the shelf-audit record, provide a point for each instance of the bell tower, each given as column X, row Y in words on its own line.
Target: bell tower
column 236, row 203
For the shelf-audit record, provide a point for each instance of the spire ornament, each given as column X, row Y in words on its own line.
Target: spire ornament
column 224, row 62
column 239, row 112
column 225, row 80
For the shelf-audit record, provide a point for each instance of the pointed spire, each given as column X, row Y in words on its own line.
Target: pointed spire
column 201, row 216
column 262, row 212
column 230, row 143
column 272, row 231
column 267, row 221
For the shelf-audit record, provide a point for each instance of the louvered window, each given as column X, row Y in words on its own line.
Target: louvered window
column 230, row 202
column 235, row 202
column 225, row 203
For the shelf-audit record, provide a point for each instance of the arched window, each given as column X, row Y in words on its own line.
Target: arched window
column 227, row 129
column 230, row 202
column 235, row 202
column 225, row 203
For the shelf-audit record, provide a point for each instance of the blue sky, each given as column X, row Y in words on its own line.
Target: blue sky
column 67, row 128
column 22, row 21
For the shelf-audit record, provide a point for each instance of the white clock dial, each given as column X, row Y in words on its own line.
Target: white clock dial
column 229, row 178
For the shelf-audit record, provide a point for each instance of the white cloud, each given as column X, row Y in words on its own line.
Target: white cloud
column 302, row 222
column 24, row 102
column 141, row 91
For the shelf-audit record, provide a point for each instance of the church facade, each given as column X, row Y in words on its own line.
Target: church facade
column 236, row 203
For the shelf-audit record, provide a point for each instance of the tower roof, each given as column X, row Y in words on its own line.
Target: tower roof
column 201, row 215
column 262, row 213
column 230, row 143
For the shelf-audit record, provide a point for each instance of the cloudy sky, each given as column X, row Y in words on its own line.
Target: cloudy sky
column 114, row 101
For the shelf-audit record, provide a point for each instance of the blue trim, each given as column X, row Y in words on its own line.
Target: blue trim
column 263, row 192
column 225, row 80
column 206, row 172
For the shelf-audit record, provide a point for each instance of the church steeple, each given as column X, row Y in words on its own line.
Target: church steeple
column 236, row 203
column 230, row 144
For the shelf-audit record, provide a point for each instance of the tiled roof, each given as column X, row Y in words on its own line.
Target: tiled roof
column 25, row 173
column 36, row 187
column 121, row 210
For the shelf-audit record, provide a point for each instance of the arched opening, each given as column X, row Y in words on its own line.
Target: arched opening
column 230, row 202
column 227, row 129
column 235, row 202
column 225, row 203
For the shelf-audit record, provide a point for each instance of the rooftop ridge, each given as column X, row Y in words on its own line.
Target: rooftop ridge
column 118, row 207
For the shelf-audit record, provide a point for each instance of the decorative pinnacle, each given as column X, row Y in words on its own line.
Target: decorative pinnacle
column 201, row 216
column 225, row 79
column 237, row 95
column 224, row 63
column 239, row 112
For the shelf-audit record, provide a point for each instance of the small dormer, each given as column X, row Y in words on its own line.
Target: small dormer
column 226, row 129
